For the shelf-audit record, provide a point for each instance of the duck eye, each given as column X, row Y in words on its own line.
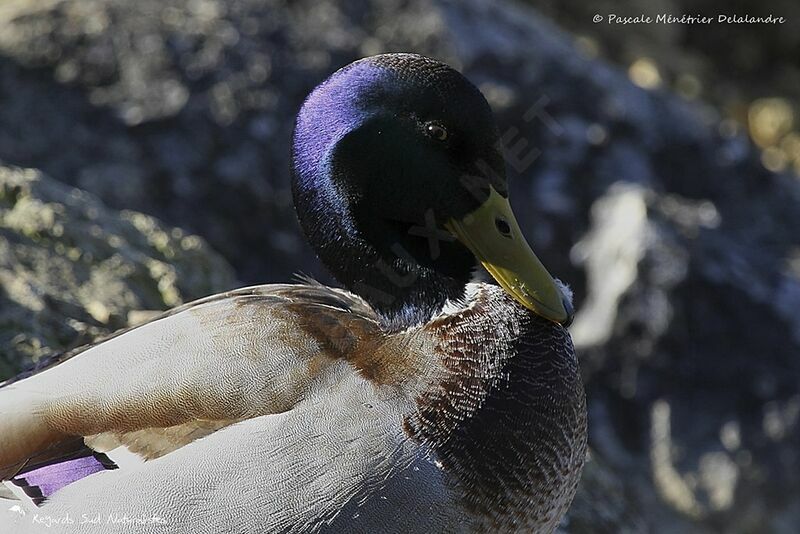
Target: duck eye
column 502, row 226
column 436, row 131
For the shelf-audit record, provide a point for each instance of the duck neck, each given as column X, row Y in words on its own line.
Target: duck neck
column 404, row 271
column 399, row 281
column 403, row 292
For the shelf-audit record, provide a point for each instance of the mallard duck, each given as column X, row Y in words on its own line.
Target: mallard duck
column 422, row 397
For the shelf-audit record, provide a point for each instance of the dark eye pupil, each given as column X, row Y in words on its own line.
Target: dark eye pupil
column 437, row 132
column 502, row 226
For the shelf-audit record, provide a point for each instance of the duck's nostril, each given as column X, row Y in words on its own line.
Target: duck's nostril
column 502, row 226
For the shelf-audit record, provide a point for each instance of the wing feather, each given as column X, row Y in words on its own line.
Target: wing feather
column 182, row 375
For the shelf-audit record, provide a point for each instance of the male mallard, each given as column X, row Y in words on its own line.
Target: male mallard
column 417, row 400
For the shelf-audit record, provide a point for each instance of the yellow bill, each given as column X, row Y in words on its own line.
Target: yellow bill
column 492, row 233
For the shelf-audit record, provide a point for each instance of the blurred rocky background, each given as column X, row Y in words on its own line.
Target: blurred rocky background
column 653, row 168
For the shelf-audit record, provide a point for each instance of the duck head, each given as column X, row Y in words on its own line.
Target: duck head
column 399, row 184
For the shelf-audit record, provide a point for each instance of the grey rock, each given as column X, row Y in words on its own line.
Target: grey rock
column 72, row 269
column 691, row 360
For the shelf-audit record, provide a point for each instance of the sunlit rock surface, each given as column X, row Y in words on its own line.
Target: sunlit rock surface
column 72, row 269
column 682, row 249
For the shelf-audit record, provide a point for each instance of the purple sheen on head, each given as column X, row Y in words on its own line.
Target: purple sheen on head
column 331, row 111
column 51, row 478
